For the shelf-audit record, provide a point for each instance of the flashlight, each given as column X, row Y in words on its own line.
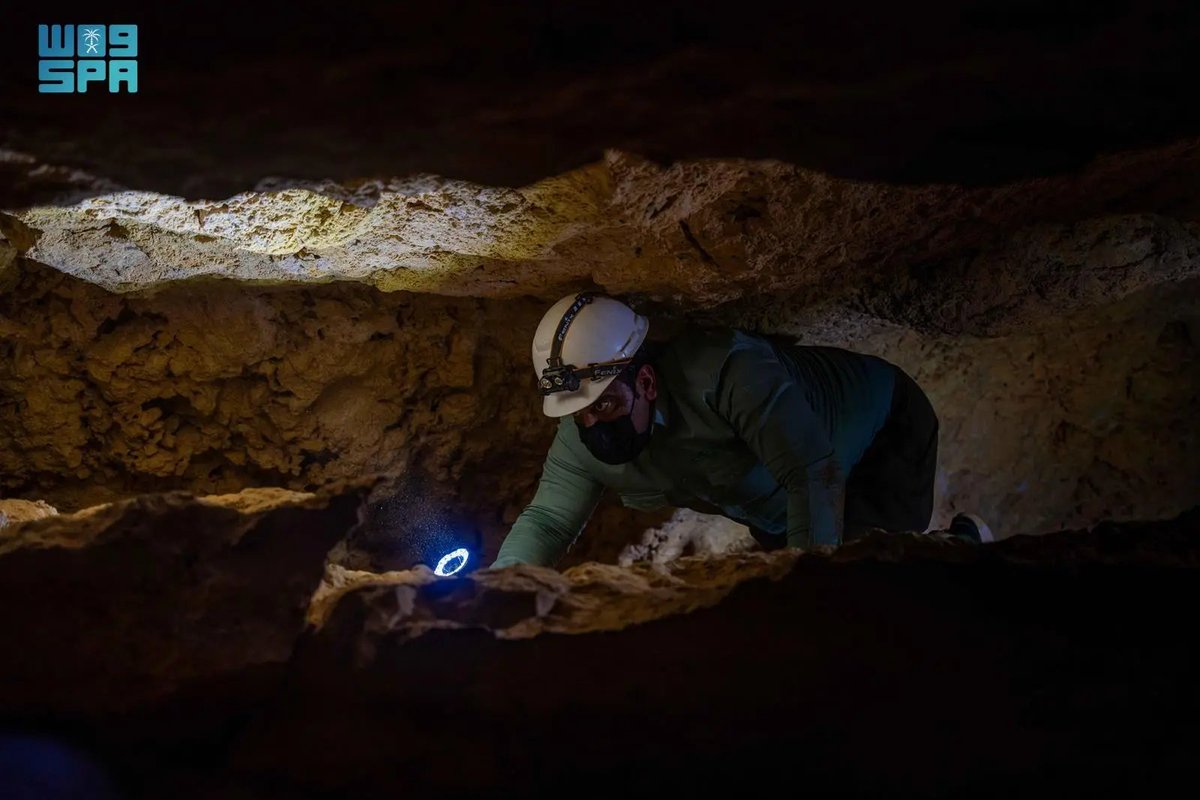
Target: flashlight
column 452, row 562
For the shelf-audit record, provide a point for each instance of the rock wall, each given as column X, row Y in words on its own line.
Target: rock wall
column 312, row 332
column 691, row 235
column 919, row 653
column 1084, row 416
column 216, row 389
column 121, row 605
column 24, row 510
column 190, row 646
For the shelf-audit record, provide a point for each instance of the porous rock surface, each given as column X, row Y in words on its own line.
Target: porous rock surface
column 122, row 620
column 407, row 681
column 23, row 510
column 881, row 648
column 526, row 600
column 1060, row 310
column 704, row 233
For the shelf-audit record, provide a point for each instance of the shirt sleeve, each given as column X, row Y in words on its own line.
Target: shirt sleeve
column 767, row 408
column 566, row 497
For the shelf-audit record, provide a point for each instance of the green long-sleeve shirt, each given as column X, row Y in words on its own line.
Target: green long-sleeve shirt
column 762, row 434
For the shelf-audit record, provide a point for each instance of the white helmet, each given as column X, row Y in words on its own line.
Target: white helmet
column 596, row 337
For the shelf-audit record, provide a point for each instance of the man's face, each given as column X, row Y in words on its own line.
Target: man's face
column 618, row 399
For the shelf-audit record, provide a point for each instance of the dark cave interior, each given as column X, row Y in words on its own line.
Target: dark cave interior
column 264, row 353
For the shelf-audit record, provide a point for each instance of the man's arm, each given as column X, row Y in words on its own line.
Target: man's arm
column 767, row 408
column 565, row 499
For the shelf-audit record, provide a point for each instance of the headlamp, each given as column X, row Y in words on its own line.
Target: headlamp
column 560, row 377
column 567, row 378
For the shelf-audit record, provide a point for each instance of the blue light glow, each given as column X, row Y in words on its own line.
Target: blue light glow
column 452, row 562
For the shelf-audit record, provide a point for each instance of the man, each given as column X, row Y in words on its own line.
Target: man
column 805, row 445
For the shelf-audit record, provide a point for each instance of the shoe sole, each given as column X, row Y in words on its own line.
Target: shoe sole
column 985, row 533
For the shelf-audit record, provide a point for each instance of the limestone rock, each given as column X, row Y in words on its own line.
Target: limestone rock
column 305, row 373
column 457, row 238
column 891, row 646
column 22, row 510
column 687, row 532
column 696, row 233
column 121, row 620
column 524, row 601
column 117, row 606
column 1045, row 418
column 224, row 388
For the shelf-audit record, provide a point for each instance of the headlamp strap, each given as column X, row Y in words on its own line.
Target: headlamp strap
column 581, row 300
column 559, row 378
column 603, row 370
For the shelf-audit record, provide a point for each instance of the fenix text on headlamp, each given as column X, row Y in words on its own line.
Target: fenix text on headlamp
column 566, row 378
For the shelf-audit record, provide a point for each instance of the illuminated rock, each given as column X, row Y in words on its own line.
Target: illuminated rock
column 24, row 510
column 294, row 373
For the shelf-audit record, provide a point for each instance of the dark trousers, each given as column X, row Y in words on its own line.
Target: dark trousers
column 891, row 487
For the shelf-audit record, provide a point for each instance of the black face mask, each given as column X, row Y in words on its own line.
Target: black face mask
column 616, row 441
